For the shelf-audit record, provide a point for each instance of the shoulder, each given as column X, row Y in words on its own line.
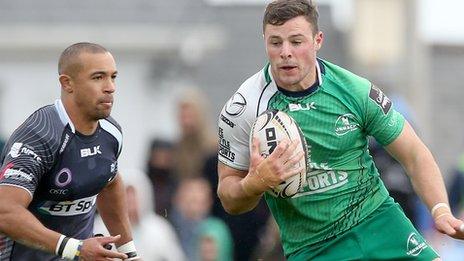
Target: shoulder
column 112, row 127
column 43, row 125
column 338, row 79
column 248, row 101
column 109, row 123
column 38, row 136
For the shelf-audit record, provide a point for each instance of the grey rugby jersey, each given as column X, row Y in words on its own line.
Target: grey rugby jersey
column 62, row 170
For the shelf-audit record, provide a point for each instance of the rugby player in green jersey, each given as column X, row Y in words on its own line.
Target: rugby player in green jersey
column 343, row 211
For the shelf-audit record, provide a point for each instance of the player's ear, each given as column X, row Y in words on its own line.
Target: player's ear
column 65, row 81
column 318, row 40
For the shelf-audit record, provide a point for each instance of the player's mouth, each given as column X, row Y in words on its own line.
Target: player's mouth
column 106, row 102
column 287, row 68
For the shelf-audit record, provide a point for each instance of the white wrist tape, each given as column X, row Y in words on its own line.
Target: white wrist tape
column 437, row 206
column 72, row 249
column 129, row 249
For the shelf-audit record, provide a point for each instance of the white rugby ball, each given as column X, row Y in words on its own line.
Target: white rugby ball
column 271, row 127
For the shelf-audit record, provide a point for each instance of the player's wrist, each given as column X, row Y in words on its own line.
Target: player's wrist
column 130, row 250
column 68, row 248
column 440, row 210
column 253, row 185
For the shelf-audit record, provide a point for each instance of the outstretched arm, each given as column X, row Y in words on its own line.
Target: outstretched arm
column 426, row 179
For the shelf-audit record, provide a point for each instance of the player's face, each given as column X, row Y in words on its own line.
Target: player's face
column 94, row 85
column 291, row 49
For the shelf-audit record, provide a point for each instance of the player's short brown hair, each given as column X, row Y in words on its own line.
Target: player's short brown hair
column 280, row 11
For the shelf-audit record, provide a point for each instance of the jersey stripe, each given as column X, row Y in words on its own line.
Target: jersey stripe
column 113, row 130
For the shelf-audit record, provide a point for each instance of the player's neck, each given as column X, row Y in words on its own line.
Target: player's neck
column 81, row 123
column 308, row 81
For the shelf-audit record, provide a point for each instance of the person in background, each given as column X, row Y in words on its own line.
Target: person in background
column 160, row 174
column 197, row 141
column 214, row 240
column 190, row 217
column 155, row 237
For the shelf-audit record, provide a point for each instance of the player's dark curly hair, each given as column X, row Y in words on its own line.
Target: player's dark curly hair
column 280, row 11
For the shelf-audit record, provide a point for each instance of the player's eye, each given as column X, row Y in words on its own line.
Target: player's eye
column 97, row 77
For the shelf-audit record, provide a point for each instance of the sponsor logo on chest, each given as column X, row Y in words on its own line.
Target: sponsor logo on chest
column 68, row 208
column 90, row 151
column 302, row 107
column 345, row 123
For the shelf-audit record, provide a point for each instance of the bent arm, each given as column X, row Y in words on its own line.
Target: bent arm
column 111, row 204
column 230, row 191
column 420, row 166
column 18, row 223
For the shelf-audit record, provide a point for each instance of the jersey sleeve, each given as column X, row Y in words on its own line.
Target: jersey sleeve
column 382, row 121
column 233, row 134
column 25, row 159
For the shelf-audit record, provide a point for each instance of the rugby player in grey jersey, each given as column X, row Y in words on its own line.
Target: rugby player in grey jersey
column 60, row 166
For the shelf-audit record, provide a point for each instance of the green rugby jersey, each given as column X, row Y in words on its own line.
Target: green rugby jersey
column 336, row 115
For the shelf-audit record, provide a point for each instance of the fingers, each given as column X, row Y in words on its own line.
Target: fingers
column 114, row 254
column 450, row 226
column 109, row 239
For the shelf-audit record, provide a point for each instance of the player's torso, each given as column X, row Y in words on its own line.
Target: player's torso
column 84, row 165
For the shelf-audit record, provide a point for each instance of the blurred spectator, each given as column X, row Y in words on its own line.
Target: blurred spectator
column 244, row 227
column 270, row 246
column 159, row 171
column 191, row 216
column 197, row 141
column 153, row 235
column 215, row 241
column 456, row 187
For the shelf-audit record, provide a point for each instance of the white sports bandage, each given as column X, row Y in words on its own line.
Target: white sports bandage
column 68, row 248
column 129, row 249
column 437, row 206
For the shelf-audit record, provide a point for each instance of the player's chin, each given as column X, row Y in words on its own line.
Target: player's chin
column 102, row 114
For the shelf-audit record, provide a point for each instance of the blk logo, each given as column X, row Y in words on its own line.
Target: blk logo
column 90, row 151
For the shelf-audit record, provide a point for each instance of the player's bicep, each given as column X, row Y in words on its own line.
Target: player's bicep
column 227, row 172
column 13, row 196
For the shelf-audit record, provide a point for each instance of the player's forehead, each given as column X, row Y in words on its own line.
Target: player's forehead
column 291, row 28
column 97, row 62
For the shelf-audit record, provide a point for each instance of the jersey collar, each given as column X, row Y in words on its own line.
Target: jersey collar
column 64, row 115
column 319, row 71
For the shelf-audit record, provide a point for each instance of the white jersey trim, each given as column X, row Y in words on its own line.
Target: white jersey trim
column 64, row 115
column 110, row 128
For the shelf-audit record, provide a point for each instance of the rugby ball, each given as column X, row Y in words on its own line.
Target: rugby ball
column 271, row 127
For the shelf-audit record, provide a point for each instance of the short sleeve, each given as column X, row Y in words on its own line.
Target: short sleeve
column 233, row 134
column 25, row 160
column 383, row 122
